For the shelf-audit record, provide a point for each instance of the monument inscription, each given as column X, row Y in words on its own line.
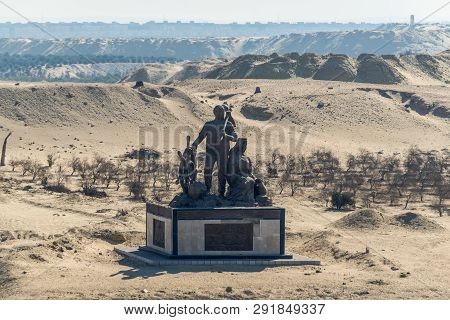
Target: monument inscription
column 229, row 237
column 159, row 233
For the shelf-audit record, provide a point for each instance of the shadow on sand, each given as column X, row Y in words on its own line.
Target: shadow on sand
column 142, row 270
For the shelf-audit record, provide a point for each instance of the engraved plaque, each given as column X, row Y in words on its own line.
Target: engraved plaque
column 159, row 233
column 229, row 237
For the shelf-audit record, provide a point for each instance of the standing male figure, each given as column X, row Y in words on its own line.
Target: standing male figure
column 218, row 133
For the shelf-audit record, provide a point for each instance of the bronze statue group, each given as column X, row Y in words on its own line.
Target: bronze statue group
column 233, row 166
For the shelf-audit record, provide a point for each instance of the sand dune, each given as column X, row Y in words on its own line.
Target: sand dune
column 420, row 69
column 69, row 118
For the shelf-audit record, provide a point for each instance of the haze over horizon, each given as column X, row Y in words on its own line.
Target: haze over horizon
column 140, row 11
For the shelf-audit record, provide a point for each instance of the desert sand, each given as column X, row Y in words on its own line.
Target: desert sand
column 60, row 246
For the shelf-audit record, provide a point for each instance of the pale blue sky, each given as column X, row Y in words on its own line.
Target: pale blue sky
column 224, row 11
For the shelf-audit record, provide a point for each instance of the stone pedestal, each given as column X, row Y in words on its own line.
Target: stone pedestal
column 216, row 232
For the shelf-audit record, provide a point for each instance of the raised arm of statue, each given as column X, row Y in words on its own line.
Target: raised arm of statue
column 231, row 119
column 230, row 132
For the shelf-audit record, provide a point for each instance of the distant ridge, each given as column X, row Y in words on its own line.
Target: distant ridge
column 367, row 68
column 429, row 39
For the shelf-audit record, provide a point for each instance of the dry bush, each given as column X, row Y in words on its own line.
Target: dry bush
column 136, row 188
column 60, row 175
column 35, row 169
column 108, row 172
column 74, row 163
column 14, row 163
column 44, row 176
column 25, row 164
column 57, row 179
column 51, row 159
column 168, row 174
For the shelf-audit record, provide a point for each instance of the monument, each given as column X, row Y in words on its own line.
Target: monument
column 198, row 227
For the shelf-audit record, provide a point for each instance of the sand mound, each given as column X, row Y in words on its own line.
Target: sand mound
column 76, row 104
column 239, row 68
column 372, row 219
column 60, row 105
column 141, row 74
column 277, row 68
column 337, row 68
column 308, row 64
column 361, row 219
column 435, row 67
column 414, row 221
column 160, row 73
column 374, row 69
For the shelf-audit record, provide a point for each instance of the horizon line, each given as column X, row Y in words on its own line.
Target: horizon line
column 243, row 23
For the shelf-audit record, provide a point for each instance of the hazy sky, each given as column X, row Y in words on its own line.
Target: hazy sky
column 224, row 11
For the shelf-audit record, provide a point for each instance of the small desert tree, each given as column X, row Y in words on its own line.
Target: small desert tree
column 60, row 175
column 283, row 181
column 365, row 161
column 273, row 165
column 154, row 170
column 119, row 175
column 351, row 181
column 136, row 186
column 44, row 176
column 96, row 168
column 441, row 188
column 325, row 165
column 35, row 169
column 14, row 163
column 74, row 164
column 168, row 172
column 26, row 166
column 108, row 173
column 51, row 158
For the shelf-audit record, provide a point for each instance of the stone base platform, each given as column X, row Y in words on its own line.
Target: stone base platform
column 154, row 259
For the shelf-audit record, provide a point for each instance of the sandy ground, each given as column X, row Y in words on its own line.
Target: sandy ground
column 61, row 246
column 294, row 115
column 57, row 246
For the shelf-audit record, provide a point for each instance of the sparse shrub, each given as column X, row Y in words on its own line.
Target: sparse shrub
column 341, row 199
column 277, row 159
column 14, row 163
column 143, row 153
column 283, row 181
column 26, row 166
column 35, row 169
column 44, row 176
column 326, row 195
column 108, row 172
column 169, row 173
column 83, row 168
column 60, row 175
column 119, row 174
column 51, row 158
column 58, row 178
column 136, row 188
column 57, row 188
column 92, row 191
column 74, row 164
column 96, row 168
column 442, row 192
column 122, row 213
